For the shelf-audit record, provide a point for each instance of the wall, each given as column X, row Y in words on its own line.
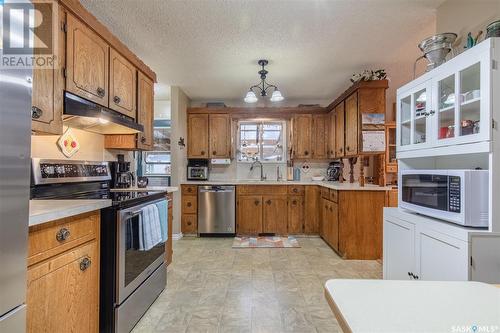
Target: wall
column 462, row 16
column 179, row 104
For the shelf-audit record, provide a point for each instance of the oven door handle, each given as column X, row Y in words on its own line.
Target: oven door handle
column 133, row 214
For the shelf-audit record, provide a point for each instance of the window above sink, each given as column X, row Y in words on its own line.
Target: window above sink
column 260, row 140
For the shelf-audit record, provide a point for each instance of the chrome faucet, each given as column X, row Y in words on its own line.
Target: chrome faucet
column 262, row 177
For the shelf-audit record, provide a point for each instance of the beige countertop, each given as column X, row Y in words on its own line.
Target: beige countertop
column 345, row 186
column 42, row 211
column 413, row 306
column 168, row 189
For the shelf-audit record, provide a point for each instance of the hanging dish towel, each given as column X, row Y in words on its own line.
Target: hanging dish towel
column 163, row 211
column 149, row 228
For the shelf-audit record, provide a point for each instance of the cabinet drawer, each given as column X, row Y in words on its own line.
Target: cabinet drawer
column 334, row 195
column 189, row 189
column 325, row 193
column 189, row 224
column 261, row 189
column 391, row 168
column 296, row 190
column 52, row 238
column 189, row 204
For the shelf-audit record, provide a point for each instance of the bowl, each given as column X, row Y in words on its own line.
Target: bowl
column 317, row 178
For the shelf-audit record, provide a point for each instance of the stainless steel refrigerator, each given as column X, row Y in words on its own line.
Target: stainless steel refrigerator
column 15, row 143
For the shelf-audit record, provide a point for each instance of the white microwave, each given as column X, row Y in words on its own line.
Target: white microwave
column 458, row 196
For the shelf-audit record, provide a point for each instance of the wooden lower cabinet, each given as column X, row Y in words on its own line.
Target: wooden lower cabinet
column 274, row 214
column 312, row 209
column 329, row 229
column 249, row 215
column 295, row 214
column 189, row 223
column 189, row 209
column 63, row 286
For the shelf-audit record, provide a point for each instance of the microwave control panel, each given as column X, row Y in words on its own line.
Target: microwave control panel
column 454, row 194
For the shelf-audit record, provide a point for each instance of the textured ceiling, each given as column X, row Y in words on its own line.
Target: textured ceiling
column 210, row 48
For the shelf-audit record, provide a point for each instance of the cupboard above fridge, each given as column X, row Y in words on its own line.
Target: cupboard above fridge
column 450, row 108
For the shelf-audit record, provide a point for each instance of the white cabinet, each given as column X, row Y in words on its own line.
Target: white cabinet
column 399, row 250
column 441, row 258
column 450, row 105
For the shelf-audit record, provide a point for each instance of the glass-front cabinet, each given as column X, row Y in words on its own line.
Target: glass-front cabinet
column 449, row 105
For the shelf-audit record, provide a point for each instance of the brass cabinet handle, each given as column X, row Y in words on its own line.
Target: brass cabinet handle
column 36, row 112
column 268, row 202
column 116, row 99
column 189, row 204
column 306, row 153
column 63, row 235
column 101, row 92
column 202, row 152
column 189, row 223
column 84, row 264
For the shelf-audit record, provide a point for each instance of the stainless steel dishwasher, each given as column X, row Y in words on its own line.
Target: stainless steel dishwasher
column 216, row 210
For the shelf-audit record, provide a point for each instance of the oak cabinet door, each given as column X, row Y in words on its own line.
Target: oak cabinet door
column 333, row 230
column 302, row 136
column 331, row 134
column 351, row 125
column 189, row 223
column 274, row 213
column 312, row 211
column 220, row 135
column 87, row 63
column 320, row 136
column 198, row 136
column 249, row 214
column 63, row 292
column 295, row 214
column 122, row 85
column 339, row 130
column 145, row 112
column 324, row 223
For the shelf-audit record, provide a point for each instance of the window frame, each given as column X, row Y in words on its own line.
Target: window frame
column 260, row 123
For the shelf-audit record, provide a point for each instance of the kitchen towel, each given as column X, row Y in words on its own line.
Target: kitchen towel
column 150, row 228
column 163, row 212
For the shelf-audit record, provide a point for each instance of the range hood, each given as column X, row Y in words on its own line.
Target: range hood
column 89, row 116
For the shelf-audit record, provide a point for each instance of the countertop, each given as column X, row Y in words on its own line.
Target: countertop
column 413, row 306
column 345, row 186
column 42, row 211
column 167, row 189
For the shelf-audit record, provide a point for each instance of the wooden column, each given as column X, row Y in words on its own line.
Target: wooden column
column 341, row 177
column 362, row 171
column 352, row 161
column 381, row 170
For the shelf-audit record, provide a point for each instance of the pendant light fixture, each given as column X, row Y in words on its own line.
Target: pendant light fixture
column 263, row 87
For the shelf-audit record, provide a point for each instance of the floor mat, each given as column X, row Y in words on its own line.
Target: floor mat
column 265, row 241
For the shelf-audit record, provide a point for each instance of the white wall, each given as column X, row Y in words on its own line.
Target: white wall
column 162, row 109
column 179, row 104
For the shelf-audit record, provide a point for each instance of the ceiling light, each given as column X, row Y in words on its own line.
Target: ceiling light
column 276, row 96
column 103, row 121
column 263, row 87
column 250, row 97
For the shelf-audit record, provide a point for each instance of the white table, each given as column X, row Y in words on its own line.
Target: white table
column 414, row 306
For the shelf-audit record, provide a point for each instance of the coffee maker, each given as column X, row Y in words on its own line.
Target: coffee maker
column 121, row 176
column 333, row 171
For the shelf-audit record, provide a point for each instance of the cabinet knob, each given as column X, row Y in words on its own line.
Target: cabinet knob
column 348, row 148
column 268, row 202
column 189, row 204
column 101, row 92
column 295, row 190
column 256, row 202
column 143, row 139
column 331, row 209
column 62, row 235
column 306, row 153
column 214, row 153
column 36, row 112
column 189, row 223
column 341, row 149
column 190, row 189
column 202, row 152
column 116, row 99
column 85, row 263
column 294, row 202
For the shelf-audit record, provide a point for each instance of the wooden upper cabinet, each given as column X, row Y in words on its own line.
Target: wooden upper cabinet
column 220, row 135
column 331, row 134
column 145, row 111
column 122, row 85
column 274, row 214
column 351, row 125
column 198, row 136
column 87, row 62
column 302, row 143
column 320, row 136
column 339, row 130
column 249, row 215
column 47, row 92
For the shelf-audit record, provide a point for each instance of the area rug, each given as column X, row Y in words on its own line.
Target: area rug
column 265, row 241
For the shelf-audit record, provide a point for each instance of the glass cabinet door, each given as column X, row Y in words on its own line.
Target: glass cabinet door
column 470, row 100
column 446, row 108
column 405, row 122
column 420, row 116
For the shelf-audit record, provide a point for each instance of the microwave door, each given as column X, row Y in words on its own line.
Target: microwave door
column 429, row 191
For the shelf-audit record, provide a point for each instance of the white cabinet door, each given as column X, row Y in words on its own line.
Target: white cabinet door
column 399, row 249
column 414, row 114
column 441, row 258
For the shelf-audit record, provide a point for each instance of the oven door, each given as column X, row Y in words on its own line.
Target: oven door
column 134, row 265
column 425, row 193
